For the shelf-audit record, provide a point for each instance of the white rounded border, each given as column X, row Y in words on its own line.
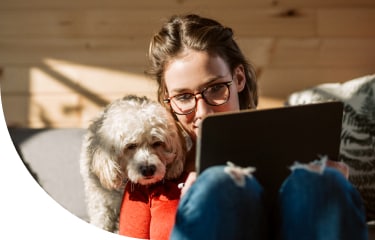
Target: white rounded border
column 27, row 211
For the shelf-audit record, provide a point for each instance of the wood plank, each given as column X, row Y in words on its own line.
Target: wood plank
column 133, row 60
column 73, row 77
column 266, row 22
column 324, row 52
column 75, row 23
column 119, row 51
column 83, row 43
column 269, row 102
column 143, row 4
column 53, row 110
column 189, row 5
column 87, row 81
column 59, row 124
column 120, row 23
column 15, row 80
column 257, row 50
column 325, row 3
column 18, row 80
column 281, row 82
column 96, row 79
column 357, row 22
column 16, row 109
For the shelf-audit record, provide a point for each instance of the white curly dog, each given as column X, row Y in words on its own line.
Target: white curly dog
column 134, row 139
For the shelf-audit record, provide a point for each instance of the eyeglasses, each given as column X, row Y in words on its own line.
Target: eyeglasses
column 214, row 95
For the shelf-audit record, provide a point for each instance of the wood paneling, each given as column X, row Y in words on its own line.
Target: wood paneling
column 280, row 82
column 61, row 62
column 16, row 109
column 357, row 22
column 324, row 52
column 123, row 52
column 326, row 3
column 140, row 22
column 182, row 4
column 139, row 4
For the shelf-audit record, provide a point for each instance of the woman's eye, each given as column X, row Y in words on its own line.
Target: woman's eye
column 216, row 88
column 184, row 97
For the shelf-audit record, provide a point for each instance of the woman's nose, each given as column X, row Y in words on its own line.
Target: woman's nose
column 202, row 108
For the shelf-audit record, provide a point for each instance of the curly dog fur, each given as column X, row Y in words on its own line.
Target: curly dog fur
column 134, row 139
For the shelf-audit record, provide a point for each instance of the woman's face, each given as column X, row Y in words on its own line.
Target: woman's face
column 193, row 71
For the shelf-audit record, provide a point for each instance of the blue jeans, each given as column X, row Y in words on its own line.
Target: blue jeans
column 310, row 206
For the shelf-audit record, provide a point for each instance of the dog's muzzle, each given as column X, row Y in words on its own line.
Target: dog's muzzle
column 147, row 171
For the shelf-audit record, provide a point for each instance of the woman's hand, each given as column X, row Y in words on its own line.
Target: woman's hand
column 189, row 181
column 341, row 166
column 319, row 165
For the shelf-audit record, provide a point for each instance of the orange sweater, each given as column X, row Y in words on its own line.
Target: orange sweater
column 149, row 212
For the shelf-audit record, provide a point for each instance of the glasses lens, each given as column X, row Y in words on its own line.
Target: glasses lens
column 183, row 103
column 214, row 95
column 217, row 94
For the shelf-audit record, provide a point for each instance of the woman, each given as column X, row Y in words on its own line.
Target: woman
column 200, row 70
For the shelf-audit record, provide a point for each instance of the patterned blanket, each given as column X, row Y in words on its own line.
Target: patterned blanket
column 358, row 130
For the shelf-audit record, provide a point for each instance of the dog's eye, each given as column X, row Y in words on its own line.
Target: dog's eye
column 157, row 144
column 131, row 146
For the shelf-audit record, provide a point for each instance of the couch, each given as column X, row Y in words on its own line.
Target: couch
column 52, row 157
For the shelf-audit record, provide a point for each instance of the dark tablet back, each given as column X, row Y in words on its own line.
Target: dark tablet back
column 271, row 140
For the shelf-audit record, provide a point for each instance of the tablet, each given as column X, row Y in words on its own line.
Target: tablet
column 271, row 140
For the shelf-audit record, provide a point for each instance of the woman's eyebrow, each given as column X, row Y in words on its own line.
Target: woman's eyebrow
column 209, row 82
column 180, row 90
column 213, row 79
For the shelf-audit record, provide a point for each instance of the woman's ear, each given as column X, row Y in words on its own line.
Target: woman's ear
column 239, row 77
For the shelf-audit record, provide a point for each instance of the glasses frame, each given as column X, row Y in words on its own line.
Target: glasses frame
column 227, row 84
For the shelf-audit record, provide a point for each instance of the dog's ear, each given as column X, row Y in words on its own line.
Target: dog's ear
column 105, row 165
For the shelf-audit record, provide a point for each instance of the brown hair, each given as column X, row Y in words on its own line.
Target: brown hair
column 191, row 31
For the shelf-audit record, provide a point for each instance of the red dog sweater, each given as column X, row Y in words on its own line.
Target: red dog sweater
column 149, row 212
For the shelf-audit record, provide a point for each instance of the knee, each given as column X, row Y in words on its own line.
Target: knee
column 223, row 180
column 339, row 187
column 217, row 202
column 328, row 178
column 329, row 184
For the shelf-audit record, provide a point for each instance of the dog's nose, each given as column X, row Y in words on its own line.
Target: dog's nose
column 147, row 171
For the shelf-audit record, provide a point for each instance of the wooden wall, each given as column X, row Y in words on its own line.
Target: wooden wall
column 61, row 61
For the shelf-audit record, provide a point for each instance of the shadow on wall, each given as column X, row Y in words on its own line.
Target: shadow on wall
column 60, row 93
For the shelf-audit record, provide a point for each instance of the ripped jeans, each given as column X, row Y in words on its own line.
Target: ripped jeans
column 311, row 205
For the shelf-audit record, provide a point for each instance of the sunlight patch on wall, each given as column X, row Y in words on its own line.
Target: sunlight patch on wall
column 102, row 81
column 69, row 94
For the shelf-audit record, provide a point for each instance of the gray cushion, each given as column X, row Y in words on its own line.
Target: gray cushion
column 52, row 156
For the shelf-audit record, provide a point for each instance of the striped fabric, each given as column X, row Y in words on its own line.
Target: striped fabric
column 358, row 129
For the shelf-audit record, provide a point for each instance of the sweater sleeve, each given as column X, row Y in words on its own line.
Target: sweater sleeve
column 135, row 213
